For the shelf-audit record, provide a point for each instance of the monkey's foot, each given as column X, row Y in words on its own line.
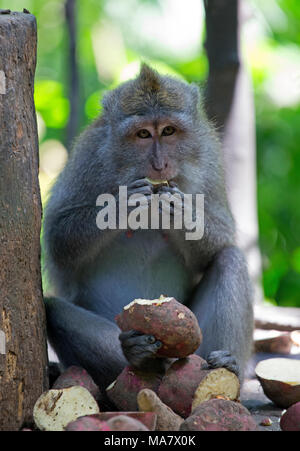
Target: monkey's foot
column 223, row 359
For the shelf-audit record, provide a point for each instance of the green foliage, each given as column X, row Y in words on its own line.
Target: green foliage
column 51, row 103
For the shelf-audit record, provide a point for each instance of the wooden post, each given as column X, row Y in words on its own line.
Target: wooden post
column 23, row 352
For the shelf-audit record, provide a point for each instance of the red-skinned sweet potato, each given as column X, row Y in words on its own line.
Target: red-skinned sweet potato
column 147, row 418
column 75, row 375
column 290, row 420
column 123, row 391
column 125, row 423
column 87, row 423
column 272, row 341
column 219, row 415
column 167, row 320
column 186, row 385
column 179, row 384
column 280, row 380
column 99, row 421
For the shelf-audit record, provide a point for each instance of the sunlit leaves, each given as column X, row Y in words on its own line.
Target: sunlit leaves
column 51, row 103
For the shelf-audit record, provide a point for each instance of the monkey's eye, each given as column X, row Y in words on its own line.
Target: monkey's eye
column 144, row 133
column 168, row 130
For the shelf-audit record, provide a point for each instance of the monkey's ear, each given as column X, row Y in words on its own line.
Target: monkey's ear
column 149, row 78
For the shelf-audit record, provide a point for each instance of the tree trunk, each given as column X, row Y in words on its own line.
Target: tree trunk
column 23, row 352
column 229, row 103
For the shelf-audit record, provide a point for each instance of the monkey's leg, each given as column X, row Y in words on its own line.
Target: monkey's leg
column 83, row 338
column 222, row 304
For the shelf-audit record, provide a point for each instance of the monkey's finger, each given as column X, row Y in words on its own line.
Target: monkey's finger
column 146, row 362
column 139, row 340
column 140, row 182
column 138, row 354
column 217, row 354
column 166, row 209
column 129, row 333
column 146, row 190
column 223, row 359
column 171, row 191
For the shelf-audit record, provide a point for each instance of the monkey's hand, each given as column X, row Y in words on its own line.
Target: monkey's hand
column 172, row 190
column 140, row 351
column 168, row 195
column 222, row 359
column 141, row 187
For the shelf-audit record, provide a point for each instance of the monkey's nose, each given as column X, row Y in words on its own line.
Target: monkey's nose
column 159, row 166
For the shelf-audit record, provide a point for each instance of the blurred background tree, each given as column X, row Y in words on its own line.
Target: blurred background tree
column 113, row 36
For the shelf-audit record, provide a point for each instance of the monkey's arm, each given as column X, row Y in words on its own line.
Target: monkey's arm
column 71, row 234
column 222, row 304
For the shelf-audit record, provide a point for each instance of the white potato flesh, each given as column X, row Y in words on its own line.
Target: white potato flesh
column 279, row 369
column 54, row 409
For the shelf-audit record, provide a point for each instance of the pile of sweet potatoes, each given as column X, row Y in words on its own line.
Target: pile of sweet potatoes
column 189, row 396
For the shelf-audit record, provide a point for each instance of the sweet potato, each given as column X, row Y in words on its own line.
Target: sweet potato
column 75, row 375
column 125, row 423
column 290, row 420
column 272, row 341
column 219, row 415
column 280, row 380
column 87, row 423
column 55, row 409
column 147, row 418
column 168, row 320
column 180, row 383
column 123, row 391
column 185, row 385
column 99, row 421
column 167, row 420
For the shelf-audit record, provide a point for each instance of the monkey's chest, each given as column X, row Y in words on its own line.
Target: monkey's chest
column 141, row 264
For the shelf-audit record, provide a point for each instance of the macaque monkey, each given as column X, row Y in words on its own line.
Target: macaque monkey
column 152, row 129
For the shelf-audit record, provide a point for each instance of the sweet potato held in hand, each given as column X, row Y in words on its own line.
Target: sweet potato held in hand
column 168, row 320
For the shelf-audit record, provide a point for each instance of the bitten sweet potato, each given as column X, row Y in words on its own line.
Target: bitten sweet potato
column 280, row 380
column 272, row 341
column 219, row 415
column 186, row 385
column 168, row 320
column 55, row 409
column 123, row 391
column 290, row 420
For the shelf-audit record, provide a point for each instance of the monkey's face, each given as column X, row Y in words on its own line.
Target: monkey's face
column 154, row 145
column 154, row 125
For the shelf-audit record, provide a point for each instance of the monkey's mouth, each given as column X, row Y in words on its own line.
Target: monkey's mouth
column 156, row 182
